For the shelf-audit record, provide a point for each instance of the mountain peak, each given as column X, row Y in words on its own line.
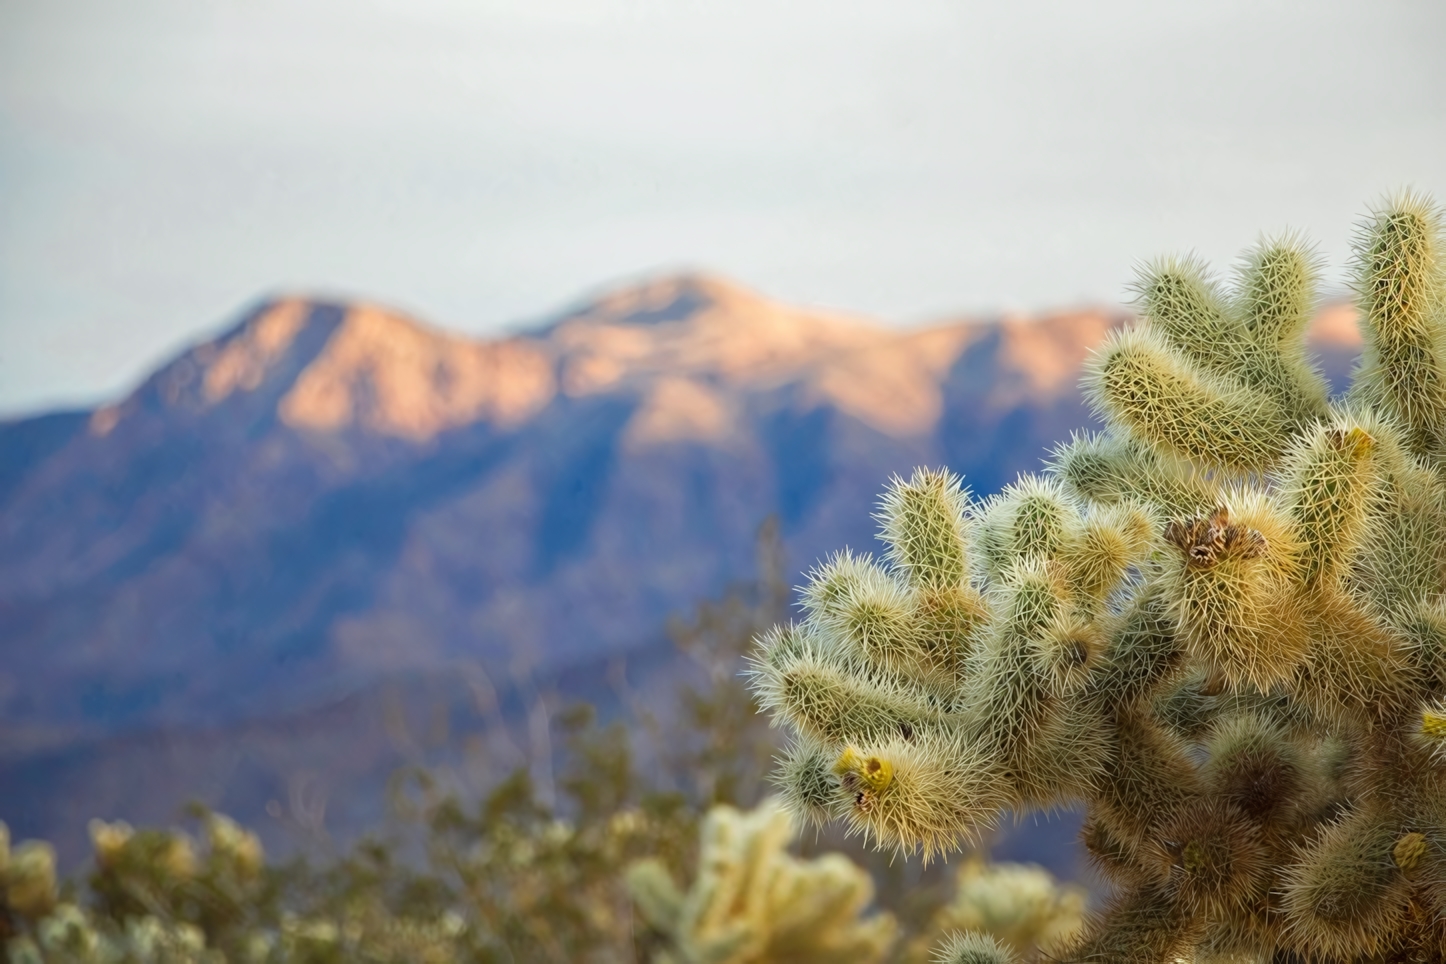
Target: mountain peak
column 395, row 376
column 699, row 326
column 324, row 366
column 244, row 356
column 663, row 299
column 274, row 335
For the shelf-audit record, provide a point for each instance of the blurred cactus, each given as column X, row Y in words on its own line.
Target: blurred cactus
column 754, row 903
column 71, row 936
column 1217, row 626
column 28, row 889
column 1019, row 906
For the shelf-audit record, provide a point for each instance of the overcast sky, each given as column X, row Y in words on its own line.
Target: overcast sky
column 482, row 162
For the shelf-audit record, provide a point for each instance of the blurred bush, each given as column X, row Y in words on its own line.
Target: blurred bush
column 585, row 874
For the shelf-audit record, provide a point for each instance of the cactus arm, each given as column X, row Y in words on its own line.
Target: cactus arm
column 1400, row 289
column 1138, row 382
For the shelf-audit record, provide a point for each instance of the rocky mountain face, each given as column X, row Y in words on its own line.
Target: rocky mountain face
column 331, row 496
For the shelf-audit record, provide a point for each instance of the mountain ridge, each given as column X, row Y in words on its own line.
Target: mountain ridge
column 425, row 379
column 330, row 495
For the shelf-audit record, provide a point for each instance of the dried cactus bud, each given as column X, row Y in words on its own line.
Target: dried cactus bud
column 1233, row 591
column 1210, row 539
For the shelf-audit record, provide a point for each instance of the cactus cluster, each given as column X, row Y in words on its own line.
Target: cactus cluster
column 157, row 899
column 162, row 897
column 1218, row 626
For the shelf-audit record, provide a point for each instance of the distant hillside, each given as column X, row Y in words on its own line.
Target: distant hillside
column 329, row 497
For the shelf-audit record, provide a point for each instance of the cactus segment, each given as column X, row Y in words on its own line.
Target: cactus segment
column 1274, row 298
column 923, row 522
column 1399, row 288
column 1140, row 383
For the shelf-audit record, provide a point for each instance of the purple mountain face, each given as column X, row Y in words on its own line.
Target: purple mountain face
column 331, row 496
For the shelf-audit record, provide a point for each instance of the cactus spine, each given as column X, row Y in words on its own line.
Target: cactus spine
column 1218, row 626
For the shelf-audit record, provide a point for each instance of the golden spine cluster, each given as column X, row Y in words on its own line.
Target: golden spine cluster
column 1219, row 626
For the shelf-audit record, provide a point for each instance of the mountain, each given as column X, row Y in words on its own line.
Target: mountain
column 331, row 497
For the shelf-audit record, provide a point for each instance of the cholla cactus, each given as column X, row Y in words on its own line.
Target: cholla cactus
column 161, row 873
column 1219, row 626
column 68, row 935
column 156, row 899
column 27, row 882
column 754, row 903
column 1019, row 906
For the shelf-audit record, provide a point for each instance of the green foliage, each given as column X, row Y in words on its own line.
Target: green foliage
column 1216, row 626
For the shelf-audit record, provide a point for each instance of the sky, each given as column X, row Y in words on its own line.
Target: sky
column 482, row 163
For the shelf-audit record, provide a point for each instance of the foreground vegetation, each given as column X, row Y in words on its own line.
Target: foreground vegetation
column 641, row 857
